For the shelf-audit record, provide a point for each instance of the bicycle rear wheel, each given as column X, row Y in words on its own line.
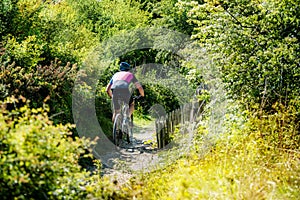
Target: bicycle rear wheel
column 127, row 129
column 117, row 130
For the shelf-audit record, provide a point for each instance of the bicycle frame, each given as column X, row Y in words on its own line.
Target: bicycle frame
column 122, row 125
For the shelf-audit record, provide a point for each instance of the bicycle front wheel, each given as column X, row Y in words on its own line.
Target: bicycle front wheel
column 117, row 130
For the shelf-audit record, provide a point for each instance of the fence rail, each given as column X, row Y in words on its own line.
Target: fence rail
column 166, row 125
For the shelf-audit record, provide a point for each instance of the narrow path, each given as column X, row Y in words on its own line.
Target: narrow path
column 140, row 156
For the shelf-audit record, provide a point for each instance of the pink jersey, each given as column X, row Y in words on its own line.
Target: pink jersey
column 122, row 80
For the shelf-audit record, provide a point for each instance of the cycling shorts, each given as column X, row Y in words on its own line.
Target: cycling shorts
column 122, row 95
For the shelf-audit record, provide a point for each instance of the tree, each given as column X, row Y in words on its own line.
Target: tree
column 7, row 11
column 255, row 44
column 106, row 18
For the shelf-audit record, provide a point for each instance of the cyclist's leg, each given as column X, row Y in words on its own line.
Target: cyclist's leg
column 115, row 113
column 121, row 95
column 131, row 110
column 116, row 104
column 125, row 96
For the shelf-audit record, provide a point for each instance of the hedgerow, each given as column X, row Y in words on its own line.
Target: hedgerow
column 40, row 160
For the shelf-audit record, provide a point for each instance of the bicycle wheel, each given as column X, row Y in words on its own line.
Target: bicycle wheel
column 127, row 130
column 130, row 131
column 117, row 130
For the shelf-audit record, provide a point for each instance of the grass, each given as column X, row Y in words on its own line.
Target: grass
column 225, row 173
column 144, row 120
column 238, row 166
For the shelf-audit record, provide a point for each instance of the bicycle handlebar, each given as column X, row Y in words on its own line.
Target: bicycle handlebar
column 137, row 97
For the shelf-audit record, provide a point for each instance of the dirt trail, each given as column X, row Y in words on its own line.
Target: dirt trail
column 140, row 156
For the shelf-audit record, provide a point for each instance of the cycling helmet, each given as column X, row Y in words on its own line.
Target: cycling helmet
column 124, row 66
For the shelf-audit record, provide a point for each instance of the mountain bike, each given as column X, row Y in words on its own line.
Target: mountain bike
column 123, row 124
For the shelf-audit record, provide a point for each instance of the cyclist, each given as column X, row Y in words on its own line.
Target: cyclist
column 118, row 88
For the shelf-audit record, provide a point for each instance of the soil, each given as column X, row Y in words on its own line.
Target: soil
column 141, row 155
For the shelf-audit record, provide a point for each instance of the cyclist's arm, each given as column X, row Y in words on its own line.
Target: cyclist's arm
column 140, row 88
column 108, row 89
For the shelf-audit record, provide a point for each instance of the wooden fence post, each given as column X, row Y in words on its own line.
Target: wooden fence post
column 165, row 125
column 157, row 132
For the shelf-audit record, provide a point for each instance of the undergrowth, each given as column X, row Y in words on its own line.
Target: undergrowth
column 250, row 161
column 40, row 160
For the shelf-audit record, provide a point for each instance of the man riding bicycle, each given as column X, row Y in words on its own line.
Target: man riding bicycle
column 118, row 88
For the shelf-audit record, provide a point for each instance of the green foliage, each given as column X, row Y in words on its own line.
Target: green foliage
column 68, row 39
column 51, row 83
column 40, row 31
column 158, row 94
column 27, row 53
column 7, row 11
column 279, row 130
column 255, row 44
column 121, row 15
column 141, row 56
column 171, row 14
column 39, row 160
column 103, row 106
column 107, row 18
column 240, row 164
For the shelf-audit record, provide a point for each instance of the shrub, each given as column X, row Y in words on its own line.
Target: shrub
column 53, row 81
column 280, row 129
column 255, row 45
column 38, row 159
column 256, row 158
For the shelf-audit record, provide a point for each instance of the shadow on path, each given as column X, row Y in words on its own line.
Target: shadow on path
column 140, row 155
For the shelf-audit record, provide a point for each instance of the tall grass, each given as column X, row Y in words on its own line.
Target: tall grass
column 250, row 161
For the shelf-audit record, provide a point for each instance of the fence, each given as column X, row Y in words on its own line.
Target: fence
column 166, row 125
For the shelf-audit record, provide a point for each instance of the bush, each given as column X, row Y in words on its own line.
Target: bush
column 255, row 45
column 38, row 159
column 54, row 82
column 280, row 129
column 157, row 94
column 241, row 164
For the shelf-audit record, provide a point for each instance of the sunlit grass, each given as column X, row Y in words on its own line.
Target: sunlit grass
column 238, row 167
column 142, row 120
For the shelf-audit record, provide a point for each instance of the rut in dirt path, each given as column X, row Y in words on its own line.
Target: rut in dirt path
column 140, row 155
